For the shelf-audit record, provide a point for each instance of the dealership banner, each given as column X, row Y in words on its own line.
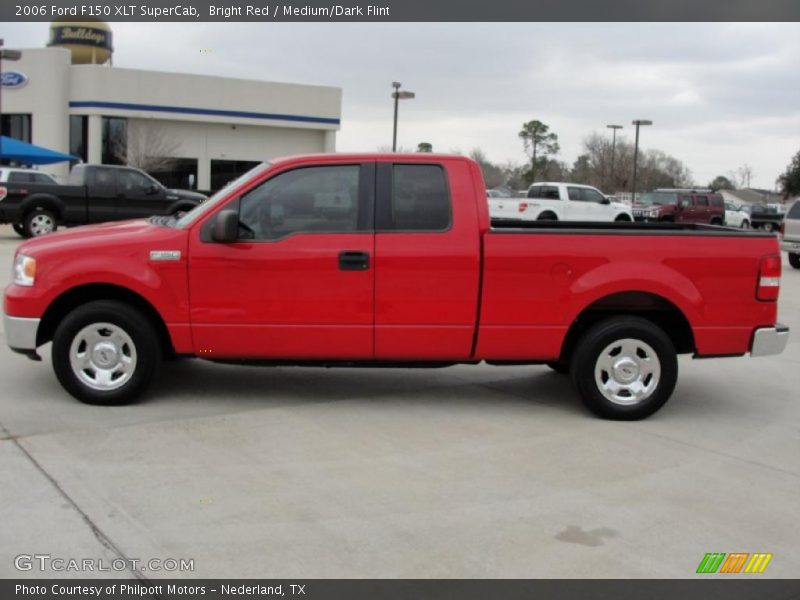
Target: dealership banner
column 402, row 10
column 399, row 589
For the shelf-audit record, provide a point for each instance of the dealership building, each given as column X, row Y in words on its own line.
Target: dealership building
column 189, row 131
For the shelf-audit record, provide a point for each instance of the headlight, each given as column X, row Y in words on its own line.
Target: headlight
column 24, row 270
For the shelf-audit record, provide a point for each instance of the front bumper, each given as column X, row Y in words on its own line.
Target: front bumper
column 769, row 340
column 21, row 333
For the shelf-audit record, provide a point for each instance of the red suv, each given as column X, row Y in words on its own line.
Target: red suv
column 680, row 206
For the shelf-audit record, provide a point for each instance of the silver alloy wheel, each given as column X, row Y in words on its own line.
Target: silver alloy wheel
column 42, row 224
column 627, row 371
column 103, row 356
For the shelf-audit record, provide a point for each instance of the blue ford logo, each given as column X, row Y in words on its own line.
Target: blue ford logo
column 13, row 79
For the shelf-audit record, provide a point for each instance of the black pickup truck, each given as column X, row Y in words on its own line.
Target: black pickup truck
column 94, row 194
column 764, row 217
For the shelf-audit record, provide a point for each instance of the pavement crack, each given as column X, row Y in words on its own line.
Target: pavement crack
column 98, row 533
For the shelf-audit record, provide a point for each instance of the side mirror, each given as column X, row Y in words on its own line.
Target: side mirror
column 226, row 227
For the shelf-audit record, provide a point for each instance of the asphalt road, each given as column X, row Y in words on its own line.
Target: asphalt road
column 460, row 472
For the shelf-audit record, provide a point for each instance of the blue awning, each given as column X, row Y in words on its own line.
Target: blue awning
column 28, row 154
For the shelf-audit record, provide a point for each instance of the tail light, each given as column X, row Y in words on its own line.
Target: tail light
column 3, row 192
column 523, row 206
column 769, row 277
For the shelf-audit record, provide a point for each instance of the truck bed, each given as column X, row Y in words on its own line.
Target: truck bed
column 621, row 228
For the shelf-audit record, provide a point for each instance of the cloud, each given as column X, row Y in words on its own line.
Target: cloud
column 720, row 94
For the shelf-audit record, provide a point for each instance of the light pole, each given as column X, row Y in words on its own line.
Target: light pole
column 5, row 54
column 637, row 122
column 398, row 95
column 613, row 129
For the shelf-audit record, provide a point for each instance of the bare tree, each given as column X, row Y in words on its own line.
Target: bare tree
column 148, row 147
column 744, row 174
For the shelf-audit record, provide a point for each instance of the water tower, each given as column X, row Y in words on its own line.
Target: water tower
column 89, row 41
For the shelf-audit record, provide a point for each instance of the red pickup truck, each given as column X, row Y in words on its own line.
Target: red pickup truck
column 391, row 260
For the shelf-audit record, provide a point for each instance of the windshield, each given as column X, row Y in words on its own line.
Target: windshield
column 658, row 198
column 206, row 206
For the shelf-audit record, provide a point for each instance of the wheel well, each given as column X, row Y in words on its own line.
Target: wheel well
column 652, row 307
column 623, row 217
column 547, row 215
column 77, row 296
column 41, row 203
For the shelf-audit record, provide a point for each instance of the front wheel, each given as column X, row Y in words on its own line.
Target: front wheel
column 625, row 368
column 623, row 218
column 794, row 260
column 105, row 352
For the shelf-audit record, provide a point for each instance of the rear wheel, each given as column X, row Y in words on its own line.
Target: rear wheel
column 625, row 368
column 716, row 221
column 547, row 216
column 768, row 226
column 105, row 352
column 745, row 224
column 794, row 260
column 623, row 218
column 39, row 222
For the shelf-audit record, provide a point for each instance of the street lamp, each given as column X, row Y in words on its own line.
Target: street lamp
column 398, row 95
column 613, row 129
column 637, row 122
column 5, row 54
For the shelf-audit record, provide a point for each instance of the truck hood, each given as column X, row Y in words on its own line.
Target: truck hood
column 108, row 238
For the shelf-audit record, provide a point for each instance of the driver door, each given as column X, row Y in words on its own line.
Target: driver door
column 299, row 281
column 138, row 196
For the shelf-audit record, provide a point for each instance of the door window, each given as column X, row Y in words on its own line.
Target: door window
column 701, row 200
column 590, row 195
column 133, row 182
column 306, row 200
column 685, row 202
column 574, row 194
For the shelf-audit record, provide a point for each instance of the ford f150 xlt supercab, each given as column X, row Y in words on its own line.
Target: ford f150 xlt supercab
column 94, row 194
column 407, row 270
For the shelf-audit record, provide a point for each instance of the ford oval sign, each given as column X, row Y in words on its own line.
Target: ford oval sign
column 13, row 79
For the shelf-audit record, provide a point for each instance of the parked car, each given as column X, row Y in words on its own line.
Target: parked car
column 790, row 234
column 735, row 216
column 94, row 194
column 414, row 275
column 556, row 201
column 765, row 217
column 680, row 206
column 17, row 175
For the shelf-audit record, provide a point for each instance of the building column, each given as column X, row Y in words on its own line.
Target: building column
column 330, row 141
column 203, row 173
column 94, row 149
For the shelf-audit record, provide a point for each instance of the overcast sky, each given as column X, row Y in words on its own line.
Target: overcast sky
column 720, row 95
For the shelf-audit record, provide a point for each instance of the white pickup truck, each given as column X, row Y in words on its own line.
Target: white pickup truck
column 556, row 201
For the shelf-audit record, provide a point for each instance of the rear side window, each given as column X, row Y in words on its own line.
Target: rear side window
column 717, row 201
column 548, row 192
column 794, row 212
column 103, row 178
column 574, row 193
column 420, row 199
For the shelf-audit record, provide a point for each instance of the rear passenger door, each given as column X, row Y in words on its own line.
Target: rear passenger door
column 703, row 210
column 101, row 192
column 427, row 261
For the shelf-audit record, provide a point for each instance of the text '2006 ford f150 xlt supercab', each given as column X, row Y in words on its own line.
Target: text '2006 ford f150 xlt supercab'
column 391, row 260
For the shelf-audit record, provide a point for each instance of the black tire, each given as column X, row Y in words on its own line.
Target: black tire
column 547, row 216
column 595, row 343
column 39, row 221
column 768, row 227
column 623, row 218
column 20, row 230
column 717, row 222
column 745, row 224
column 561, row 368
column 140, row 331
column 794, row 260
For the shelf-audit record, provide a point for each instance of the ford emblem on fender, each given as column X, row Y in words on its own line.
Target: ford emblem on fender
column 13, row 79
